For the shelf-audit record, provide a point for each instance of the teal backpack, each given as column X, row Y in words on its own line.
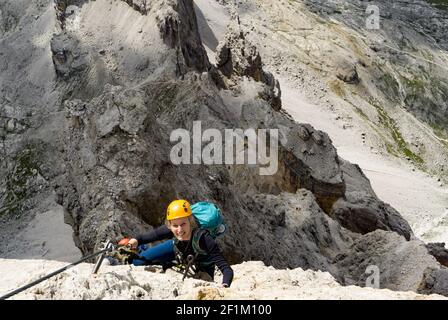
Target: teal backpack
column 209, row 217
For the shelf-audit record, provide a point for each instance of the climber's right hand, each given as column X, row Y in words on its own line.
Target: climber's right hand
column 133, row 243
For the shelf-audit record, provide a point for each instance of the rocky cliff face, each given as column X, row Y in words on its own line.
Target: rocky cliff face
column 414, row 77
column 390, row 77
column 92, row 121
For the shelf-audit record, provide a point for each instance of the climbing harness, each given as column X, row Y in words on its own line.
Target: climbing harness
column 190, row 262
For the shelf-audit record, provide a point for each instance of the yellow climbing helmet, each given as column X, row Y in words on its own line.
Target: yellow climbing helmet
column 178, row 209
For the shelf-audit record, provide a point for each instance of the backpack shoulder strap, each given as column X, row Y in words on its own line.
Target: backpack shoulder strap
column 196, row 237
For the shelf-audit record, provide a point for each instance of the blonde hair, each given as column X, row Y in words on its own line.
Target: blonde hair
column 191, row 219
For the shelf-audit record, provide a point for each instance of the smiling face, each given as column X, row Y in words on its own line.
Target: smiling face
column 181, row 228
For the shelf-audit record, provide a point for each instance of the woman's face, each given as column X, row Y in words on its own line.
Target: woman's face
column 181, row 228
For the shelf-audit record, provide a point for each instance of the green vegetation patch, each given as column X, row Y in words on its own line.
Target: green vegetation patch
column 361, row 113
column 391, row 125
column 416, row 85
column 390, row 86
column 441, row 4
column 17, row 181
